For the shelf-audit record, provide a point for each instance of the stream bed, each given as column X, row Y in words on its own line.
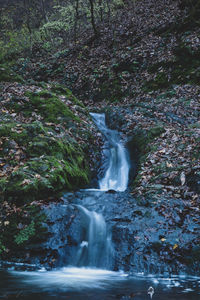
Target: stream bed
column 96, row 233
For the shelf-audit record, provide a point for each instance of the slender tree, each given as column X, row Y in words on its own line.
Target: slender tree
column 28, row 20
column 76, row 19
column 43, row 10
column 101, row 10
column 96, row 33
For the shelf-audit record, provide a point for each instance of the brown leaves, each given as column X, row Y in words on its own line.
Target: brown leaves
column 173, row 154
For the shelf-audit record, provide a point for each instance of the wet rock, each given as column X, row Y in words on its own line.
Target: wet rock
column 193, row 180
column 111, row 192
column 115, row 120
column 145, row 238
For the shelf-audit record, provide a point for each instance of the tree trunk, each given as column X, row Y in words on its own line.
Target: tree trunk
column 44, row 11
column 101, row 10
column 76, row 20
column 96, row 33
column 109, row 11
column 27, row 12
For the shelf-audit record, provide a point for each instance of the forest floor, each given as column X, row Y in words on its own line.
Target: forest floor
column 150, row 74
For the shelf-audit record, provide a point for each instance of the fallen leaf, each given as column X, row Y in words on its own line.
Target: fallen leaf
column 169, row 165
column 175, row 246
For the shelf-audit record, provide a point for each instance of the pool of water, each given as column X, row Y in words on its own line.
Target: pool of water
column 94, row 284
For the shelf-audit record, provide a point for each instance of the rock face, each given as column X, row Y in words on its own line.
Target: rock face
column 146, row 237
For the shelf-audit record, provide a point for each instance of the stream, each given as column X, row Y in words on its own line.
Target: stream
column 89, row 265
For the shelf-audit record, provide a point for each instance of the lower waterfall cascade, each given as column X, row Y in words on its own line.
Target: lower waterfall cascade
column 96, row 248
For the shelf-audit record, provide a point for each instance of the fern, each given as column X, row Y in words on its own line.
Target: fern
column 25, row 234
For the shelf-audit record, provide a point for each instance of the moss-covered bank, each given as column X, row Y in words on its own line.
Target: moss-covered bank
column 45, row 146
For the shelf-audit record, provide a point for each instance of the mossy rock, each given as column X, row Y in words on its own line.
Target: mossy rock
column 52, row 161
column 50, row 107
column 62, row 90
column 22, row 134
column 53, row 165
column 139, row 146
column 142, row 138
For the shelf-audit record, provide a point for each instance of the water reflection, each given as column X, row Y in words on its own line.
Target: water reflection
column 89, row 284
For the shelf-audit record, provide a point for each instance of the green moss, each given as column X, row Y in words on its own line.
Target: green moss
column 51, row 165
column 61, row 90
column 42, row 84
column 43, row 94
column 48, row 145
column 22, row 134
column 40, row 177
column 49, row 106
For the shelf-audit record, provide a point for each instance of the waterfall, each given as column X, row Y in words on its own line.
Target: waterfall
column 95, row 249
column 116, row 175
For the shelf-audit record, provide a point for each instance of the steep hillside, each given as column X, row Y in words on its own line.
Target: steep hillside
column 46, row 141
column 148, row 71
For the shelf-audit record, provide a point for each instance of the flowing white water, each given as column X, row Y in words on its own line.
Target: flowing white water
column 95, row 249
column 116, row 176
column 70, row 278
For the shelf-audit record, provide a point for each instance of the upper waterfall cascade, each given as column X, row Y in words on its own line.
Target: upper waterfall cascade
column 117, row 173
